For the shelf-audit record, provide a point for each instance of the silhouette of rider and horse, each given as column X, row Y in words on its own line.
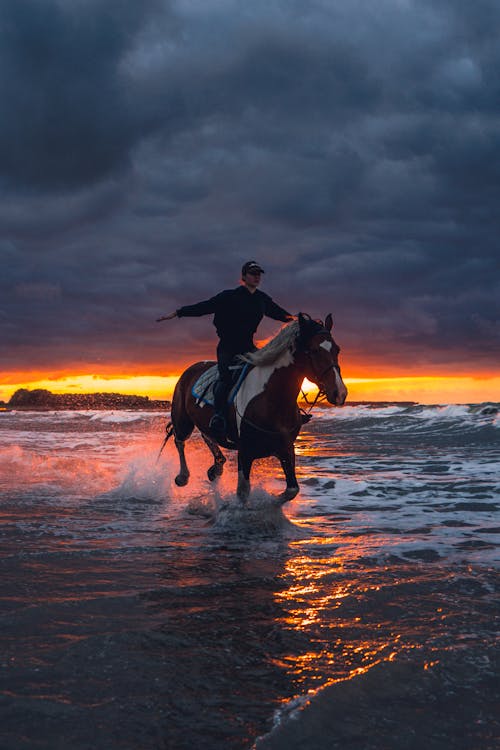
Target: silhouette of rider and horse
column 258, row 414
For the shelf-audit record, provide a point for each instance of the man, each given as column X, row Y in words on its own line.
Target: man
column 237, row 313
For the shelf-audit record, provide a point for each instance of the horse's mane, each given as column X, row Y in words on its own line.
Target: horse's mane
column 285, row 340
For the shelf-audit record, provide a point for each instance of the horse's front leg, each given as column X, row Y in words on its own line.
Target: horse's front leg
column 182, row 477
column 244, row 466
column 287, row 460
column 219, row 459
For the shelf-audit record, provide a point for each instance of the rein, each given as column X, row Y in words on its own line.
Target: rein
column 306, row 415
column 320, row 396
column 263, row 429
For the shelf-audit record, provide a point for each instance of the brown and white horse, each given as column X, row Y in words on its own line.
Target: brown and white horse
column 264, row 419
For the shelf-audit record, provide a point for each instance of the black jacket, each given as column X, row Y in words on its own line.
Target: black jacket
column 237, row 313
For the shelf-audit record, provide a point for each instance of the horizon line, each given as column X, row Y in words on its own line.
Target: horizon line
column 417, row 389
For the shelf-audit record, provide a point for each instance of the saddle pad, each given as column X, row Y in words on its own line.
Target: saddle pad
column 203, row 388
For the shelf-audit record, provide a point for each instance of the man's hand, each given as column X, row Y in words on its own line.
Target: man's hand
column 167, row 317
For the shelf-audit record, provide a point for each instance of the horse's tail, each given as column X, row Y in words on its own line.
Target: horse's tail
column 169, row 431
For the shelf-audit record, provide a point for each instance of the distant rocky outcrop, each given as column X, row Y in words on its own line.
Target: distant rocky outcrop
column 40, row 398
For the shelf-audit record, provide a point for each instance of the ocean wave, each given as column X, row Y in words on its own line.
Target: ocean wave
column 117, row 417
column 450, row 421
column 360, row 411
column 86, row 414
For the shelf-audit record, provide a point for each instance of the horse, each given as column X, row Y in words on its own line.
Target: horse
column 264, row 419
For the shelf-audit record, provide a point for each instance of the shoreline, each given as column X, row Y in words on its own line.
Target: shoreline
column 159, row 405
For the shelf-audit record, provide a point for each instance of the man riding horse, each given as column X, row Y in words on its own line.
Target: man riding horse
column 237, row 314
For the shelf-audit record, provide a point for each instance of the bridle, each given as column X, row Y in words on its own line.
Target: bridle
column 321, row 395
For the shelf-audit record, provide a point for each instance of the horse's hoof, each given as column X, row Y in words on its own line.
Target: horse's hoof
column 181, row 480
column 243, row 494
column 243, row 487
column 214, row 472
column 288, row 495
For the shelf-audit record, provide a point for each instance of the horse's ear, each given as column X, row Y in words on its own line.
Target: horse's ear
column 329, row 322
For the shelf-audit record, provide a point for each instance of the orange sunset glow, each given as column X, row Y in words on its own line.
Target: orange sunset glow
column 430, row 390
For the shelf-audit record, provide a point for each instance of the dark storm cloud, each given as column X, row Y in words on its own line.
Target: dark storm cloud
column 147, row 149
column 66, row 116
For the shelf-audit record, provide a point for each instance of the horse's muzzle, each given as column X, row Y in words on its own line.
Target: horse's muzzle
column 336, row 392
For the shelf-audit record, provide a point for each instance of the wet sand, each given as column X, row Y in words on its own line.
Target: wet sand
column 453, row 702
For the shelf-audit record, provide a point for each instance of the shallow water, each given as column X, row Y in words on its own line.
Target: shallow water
column 136, row 614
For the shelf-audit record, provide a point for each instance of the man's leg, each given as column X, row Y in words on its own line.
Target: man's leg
column 221, row 392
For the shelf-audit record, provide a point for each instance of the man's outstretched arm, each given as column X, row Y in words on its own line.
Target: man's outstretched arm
column 167, row 317
column 193, row 311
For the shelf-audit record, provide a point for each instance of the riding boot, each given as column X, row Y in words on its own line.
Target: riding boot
column 217, row 424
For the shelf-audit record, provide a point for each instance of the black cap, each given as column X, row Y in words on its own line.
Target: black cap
column 251, row 265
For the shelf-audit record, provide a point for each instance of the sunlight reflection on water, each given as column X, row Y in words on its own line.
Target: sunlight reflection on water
column 107, row 563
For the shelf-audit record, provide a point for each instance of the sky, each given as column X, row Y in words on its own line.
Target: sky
column 147, row 150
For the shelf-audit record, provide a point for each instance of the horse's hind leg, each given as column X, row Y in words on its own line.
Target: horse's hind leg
column 182, row 477
column 219, row 459
column 183, row 427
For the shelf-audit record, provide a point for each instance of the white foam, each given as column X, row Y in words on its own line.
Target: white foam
column 143, row 478
column 117, row 417
column 448, row 411
column 360, row 411
column 260, row 515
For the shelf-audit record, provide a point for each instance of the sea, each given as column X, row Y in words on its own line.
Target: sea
column 362, row 615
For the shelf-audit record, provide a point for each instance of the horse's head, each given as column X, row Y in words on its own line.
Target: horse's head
column 321, row 357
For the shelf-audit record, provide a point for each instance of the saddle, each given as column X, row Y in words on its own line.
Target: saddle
column 203, row 388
